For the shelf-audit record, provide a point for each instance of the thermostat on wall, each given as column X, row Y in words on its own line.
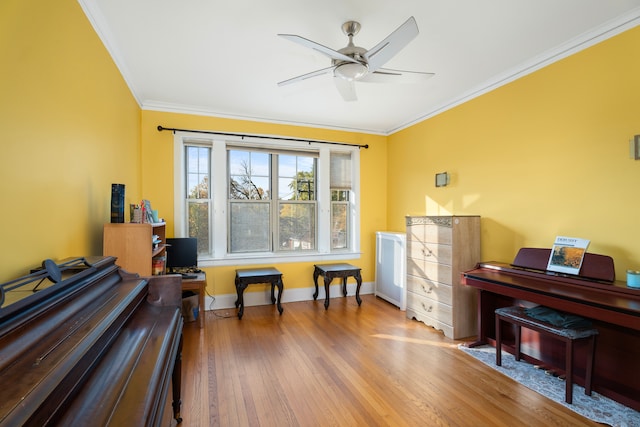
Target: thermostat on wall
column 442, row 179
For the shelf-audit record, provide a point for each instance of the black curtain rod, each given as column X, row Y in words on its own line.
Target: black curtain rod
column 282, row 138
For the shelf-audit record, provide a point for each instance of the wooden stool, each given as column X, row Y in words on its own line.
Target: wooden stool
column 519, row 317
column 251, row 276
column 331, row 271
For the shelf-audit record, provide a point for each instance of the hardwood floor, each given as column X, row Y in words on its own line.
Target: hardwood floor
column 347, row 366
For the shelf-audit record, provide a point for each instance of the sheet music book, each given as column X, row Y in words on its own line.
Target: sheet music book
column 567, row 254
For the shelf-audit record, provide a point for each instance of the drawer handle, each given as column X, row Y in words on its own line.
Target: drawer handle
column 428, row 310
column 428, row 291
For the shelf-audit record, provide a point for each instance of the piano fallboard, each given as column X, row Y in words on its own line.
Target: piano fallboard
column 101, row 347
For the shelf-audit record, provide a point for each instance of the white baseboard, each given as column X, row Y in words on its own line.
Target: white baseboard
column 288, row 295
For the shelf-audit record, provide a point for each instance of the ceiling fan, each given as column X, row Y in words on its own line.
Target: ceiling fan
column 353, row 63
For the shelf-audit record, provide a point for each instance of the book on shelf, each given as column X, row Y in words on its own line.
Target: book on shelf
column 158, row 265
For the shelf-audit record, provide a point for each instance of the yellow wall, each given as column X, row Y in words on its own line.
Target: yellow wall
column 543, row 156
column 157, row 178
column 70, row 128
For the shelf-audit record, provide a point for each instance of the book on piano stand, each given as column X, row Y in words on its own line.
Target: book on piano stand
column 567, row 254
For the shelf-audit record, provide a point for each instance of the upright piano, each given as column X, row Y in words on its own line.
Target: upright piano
column 83, row 342
column 613, row 308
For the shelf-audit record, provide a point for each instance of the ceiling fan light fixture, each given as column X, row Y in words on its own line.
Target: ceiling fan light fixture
column 351, row 70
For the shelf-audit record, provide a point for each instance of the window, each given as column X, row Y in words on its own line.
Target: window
column 249, row 183
column 340, row 188
column 297, row 204
column 198, row 199
column 250, row 199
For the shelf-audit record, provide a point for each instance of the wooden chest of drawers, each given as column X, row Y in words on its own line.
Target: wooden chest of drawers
column 439, row 249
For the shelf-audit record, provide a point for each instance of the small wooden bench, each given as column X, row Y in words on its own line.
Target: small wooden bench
column 332, row 271
column 518, row 317
column 250, row 276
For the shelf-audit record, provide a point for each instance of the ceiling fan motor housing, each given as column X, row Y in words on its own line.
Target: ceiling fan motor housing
column 351, row 70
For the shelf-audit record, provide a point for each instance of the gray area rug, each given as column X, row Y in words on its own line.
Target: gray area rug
column 596, row 407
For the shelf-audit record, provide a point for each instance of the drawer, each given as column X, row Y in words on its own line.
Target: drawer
column 430, row 270
column 430, row 289
column 437, row 234
column 430, row 233
column 433, row 252
column 431, row 308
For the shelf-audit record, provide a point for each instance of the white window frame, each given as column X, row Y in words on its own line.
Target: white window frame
column 218, row 191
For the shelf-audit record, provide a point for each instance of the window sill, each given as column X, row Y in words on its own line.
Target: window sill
column 246, row 259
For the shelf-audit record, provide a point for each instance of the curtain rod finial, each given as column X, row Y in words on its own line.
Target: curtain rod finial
column 160, row 128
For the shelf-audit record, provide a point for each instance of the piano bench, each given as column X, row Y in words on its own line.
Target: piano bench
column 518, row 317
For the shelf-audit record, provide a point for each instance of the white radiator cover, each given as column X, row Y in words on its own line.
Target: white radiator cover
column 391, row 261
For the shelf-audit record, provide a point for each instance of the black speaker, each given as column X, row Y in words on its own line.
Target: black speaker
column 117, row 203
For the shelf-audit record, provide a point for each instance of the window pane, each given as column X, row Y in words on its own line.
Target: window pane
column 249, row 227
column 238, row 162
column 340, row 166
column 260, row 164
column 339, row 195
column 297, row 226
column 305, row 188
column 296, row 177
column 286, row 189
column 198, row 172
column 198, row 224
column 339, row 225
column 287, row 165
column 306, row 164
column 249, row 163
column 249, row 176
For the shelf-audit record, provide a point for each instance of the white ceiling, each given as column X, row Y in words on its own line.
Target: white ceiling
column 224, row 58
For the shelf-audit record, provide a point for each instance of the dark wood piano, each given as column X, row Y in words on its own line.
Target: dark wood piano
column 84, row 343
column 613, row 308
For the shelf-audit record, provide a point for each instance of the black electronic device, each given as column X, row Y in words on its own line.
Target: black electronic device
column 182, row 255
column 117, row 203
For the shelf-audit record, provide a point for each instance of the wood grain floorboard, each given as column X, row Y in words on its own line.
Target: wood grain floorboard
column 345, row 366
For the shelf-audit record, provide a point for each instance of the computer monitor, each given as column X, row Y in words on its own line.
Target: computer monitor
column 182, row 254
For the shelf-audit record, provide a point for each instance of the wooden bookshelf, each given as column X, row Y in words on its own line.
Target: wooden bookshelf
column 133, row 245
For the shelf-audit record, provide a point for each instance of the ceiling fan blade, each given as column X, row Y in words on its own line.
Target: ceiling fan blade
column 387, row 75
column 306, row 76
column 333, row 54
column 378, row 55
column 346, row 88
